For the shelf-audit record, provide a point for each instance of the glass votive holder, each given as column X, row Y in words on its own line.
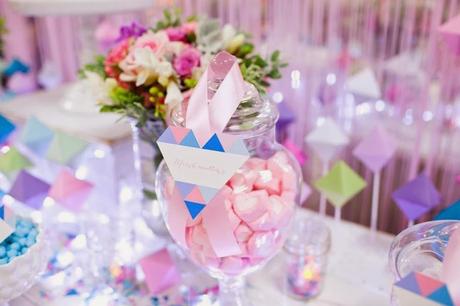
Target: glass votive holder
column 306, row 257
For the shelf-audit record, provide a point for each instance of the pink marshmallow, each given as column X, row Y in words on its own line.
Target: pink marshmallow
column 226, row 191
column 288, row 196
column 280, row 213
column 194, row 222
column 238, row 183
column 232, row 265
column 242, row 233
column 243, row 248
column 263, row 223
column 249, row 206
column 261, row 244
column 199, row 236
column 279, row 166
column 233, row 218
column 212, row 262
column 255, row 164
column 289, row 181
column 268, row 182
column 250, row 177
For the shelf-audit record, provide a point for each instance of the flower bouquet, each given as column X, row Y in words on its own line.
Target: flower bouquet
column 150, row 70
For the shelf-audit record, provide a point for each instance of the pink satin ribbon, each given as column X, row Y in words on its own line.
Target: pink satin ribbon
column 207, row 114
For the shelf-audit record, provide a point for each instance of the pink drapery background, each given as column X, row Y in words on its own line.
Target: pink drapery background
column 316, row 36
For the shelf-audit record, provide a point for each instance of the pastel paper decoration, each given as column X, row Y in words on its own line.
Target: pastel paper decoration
column 6, row 128
column 15, row 66
column 13, row 161
column 451, row 266
column 64, row 148
column 29, row 190
column 450, row 32
column 421, row 290
column 364, row 84
column 36, row 136
column 7, row 215
column 160, row 271
column 417, row 197
column 375, row 150
column 326, row 140
column 305, row 192
column 195, row 167
column 450, row 213
column 69, row 191
column 340, row 185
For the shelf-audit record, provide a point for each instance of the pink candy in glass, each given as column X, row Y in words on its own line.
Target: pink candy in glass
column 260, row 201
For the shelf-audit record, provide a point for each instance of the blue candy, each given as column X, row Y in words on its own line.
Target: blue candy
column 19, row 242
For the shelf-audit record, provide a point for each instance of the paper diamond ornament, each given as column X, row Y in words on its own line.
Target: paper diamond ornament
column 450, row 213
column 7, row 215
column 64, row 148
column 69, row 191
column 201, row 171
column 417, row 197
column 13, row 161
column 340, row 184
column 421, row 290
column 6, row 128
column 160, row 271
column 327, row 139
column 29, row 190
column 376, row 149
column 364, row 84
column 450, row 32
column 36, row 136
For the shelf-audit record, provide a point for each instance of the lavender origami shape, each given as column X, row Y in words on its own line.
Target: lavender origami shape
column 417, row 197
column 29, row 190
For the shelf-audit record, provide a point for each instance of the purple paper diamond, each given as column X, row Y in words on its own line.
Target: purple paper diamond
column 417, row 197
column 29, row 190
column 376, row 149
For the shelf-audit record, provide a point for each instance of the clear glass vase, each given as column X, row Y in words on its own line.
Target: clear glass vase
column 260, row 199
column 420, row 248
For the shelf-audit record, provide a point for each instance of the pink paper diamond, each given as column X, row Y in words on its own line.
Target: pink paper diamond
column 376, row 149
column 69, row 191
column 160, row 271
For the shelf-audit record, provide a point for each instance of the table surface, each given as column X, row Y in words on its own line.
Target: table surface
column 47, row 107
column 358, row 273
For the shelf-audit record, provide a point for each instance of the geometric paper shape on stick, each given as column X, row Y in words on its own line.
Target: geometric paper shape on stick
column 160, row 271
column 6, row 128
column 36, row 136
column 64, row 148
column 417, row 197
column 452, row 212
column 340, row 184
column 364, row 84
column 214, row 144
column 29, row 190
column 376, row 149
column 327, row 139
column 178, row 133
column 13, row 161
column 190, row 140
column 194, row 208
column 69, row 191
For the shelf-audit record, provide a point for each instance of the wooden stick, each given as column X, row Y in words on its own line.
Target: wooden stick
column 375, row 202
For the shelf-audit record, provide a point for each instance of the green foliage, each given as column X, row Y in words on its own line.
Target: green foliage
column 257, row 70
column 97, row 67
column 171, row 19
column 3, row 31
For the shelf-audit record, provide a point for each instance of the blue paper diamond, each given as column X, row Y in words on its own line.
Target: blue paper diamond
column 194, row 208
column 6, row 128
column 442, row 296
column 450, row 213
column 214, row 144
column 190, row 140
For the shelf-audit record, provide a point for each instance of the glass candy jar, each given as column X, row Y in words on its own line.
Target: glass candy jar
column 260, row 198
column 420, row 248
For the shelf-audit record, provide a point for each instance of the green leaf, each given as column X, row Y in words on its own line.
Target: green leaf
column 275, row 56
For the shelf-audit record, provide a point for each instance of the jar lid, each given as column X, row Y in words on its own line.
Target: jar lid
column 309, row 236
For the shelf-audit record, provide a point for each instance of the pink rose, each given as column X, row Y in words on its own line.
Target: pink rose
column 176, row 34
column 189, row 27
column 116, row 55
column 186, row 61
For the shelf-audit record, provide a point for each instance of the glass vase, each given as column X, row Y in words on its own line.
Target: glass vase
column 420, row 248
column 260, row 199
